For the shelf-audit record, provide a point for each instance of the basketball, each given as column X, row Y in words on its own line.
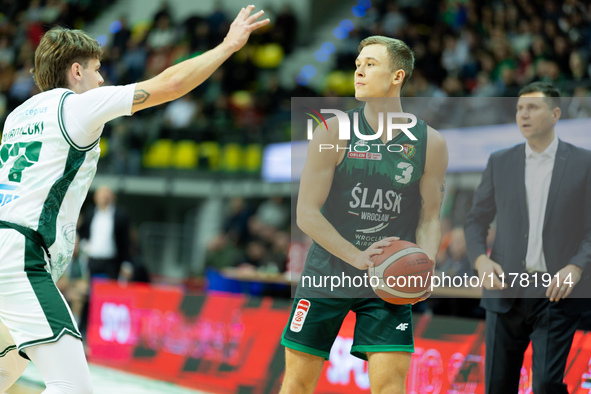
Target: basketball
column 404, row 273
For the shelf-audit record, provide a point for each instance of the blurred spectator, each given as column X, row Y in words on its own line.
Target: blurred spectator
column 456, row 263
column 163, row 35
column 273, row 213
column 223, row 252
column 106, row 231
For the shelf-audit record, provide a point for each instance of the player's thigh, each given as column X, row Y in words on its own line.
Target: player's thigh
column 12, row 366
column 302, row 371
column 381, row 327
column 314, row 324
column 387, row 371
column 31, row 306
column 63, row 365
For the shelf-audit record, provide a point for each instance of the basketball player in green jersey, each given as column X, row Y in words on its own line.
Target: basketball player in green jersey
column 352, row 205
column 48, row 158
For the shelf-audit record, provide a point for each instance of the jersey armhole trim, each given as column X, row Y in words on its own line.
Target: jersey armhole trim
column 60, row 120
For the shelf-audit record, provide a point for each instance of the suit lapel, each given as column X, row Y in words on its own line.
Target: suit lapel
column 559, row 166
column 519, row 187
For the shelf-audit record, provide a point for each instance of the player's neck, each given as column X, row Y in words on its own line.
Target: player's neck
column 375, row 106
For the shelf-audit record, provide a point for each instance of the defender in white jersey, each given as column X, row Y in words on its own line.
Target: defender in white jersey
column 48, row 158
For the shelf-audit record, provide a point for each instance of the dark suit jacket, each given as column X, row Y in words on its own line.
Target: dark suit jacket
column 121, row 228
column 567, row 221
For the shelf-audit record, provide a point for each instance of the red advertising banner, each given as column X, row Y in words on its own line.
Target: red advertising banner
column 230, row 343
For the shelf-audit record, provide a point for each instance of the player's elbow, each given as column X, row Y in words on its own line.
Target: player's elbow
column 304, row 220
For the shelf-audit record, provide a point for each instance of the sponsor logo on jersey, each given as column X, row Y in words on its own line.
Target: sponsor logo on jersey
column 408, row 150
column 365, row 155
column 299, row 315
column 7, row 194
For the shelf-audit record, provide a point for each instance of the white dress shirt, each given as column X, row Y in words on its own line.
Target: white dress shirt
column 101, row 242
column 538, row 174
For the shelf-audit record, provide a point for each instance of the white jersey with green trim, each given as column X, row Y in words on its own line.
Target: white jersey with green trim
column 44, row 175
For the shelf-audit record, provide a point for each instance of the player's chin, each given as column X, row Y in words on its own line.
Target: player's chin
column 360, row 96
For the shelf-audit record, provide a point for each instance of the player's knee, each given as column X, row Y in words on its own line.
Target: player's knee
column 74, row 385
column 11, row 368
column 390, row 386
column 297, row 385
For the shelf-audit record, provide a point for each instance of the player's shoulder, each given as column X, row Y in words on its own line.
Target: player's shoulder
column 327, row 130
column 434, row 138
column 29, row 106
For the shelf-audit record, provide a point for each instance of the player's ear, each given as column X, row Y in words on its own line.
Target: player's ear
column 398, row 77
column 75, row 71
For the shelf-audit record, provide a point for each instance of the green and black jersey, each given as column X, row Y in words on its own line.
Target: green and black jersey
column 375, row 191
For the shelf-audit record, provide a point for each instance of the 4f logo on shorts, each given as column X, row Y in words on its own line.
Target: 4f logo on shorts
column 402, row 326
column 299, row 315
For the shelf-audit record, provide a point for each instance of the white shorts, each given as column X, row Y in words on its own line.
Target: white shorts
column 32, row 309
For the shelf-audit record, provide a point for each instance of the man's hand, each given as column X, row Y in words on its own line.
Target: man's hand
column 243, row 25
column 363, row 259
column 559, row 290
column 485, row 267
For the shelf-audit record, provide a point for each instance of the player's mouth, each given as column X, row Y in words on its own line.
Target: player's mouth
column 358, row 84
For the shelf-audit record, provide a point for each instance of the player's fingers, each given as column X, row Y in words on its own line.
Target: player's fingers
column 254, row 17
column 259, row 24
column 391, row 239
column 240, row 15
column 381, row 244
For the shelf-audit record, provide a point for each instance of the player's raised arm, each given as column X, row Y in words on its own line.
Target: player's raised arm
column 180, row 79
column 432, row 188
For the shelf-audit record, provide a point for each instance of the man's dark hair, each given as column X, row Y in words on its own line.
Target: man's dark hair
column 551, row 92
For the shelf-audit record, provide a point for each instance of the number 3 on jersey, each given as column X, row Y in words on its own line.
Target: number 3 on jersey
column 28, row 157
column 406, row 175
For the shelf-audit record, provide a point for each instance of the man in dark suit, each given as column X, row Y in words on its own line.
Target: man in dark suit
column 106, row 231
column 540, row 193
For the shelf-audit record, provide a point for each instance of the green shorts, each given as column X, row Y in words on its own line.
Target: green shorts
column 380, row 327
column 318, row 312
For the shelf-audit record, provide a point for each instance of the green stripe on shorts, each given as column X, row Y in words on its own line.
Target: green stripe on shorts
column 5, row 351
column 54, row 308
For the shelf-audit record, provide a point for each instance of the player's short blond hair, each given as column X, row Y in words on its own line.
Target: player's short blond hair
column 58, row 50
column 401, row 56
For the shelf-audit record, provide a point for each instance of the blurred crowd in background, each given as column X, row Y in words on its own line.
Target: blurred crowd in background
column 462, row 48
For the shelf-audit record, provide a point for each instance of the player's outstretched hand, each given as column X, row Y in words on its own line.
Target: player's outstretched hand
column 243, row 25
column 363, row 259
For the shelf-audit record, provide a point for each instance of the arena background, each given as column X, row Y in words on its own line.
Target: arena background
column 205, row 180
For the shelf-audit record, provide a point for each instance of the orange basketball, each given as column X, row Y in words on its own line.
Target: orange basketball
column 402, row 273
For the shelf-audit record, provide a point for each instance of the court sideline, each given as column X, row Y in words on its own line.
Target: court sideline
column 105, row 381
